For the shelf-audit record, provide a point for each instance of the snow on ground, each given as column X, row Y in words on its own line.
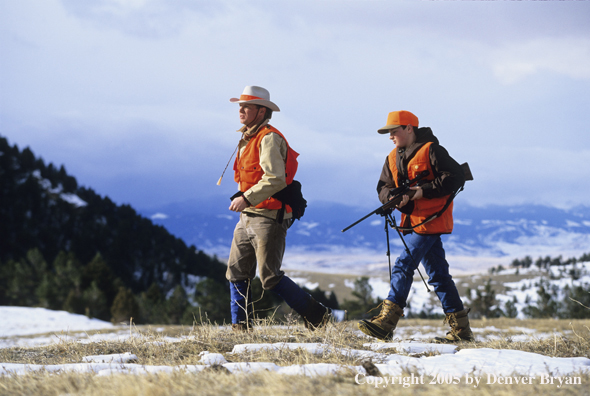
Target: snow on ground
column 25, row 320
column 449, row 363
column 394, row 360
column 555, row 278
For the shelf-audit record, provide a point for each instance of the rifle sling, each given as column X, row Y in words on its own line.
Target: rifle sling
column 435, row 215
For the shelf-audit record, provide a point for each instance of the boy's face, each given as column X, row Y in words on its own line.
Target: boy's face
column 401, row 135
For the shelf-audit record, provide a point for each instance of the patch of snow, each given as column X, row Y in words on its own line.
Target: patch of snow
column 114, row 358
column 482, row 362
column 159, row 216
column 73, row 199
column 211, row 358
column 413, row 347
column 26, row 321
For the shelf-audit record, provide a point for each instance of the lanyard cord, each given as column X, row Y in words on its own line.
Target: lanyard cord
column 219, row 181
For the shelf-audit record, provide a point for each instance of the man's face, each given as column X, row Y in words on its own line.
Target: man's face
column 400, row 136
column 250, row 114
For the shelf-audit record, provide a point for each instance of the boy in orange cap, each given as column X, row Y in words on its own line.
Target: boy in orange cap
column 417, row 150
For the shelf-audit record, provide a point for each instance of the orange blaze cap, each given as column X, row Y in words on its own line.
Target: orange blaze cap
column 399, row 118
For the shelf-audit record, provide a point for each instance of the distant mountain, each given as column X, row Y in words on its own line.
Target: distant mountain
column 44, row 208
column 501, row 232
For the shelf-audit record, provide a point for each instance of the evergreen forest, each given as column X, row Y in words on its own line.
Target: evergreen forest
column 63, row 246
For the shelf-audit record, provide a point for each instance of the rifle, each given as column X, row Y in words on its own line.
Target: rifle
column 397, row 194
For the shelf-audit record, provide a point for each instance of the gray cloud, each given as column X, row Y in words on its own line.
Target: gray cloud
column 132, row 96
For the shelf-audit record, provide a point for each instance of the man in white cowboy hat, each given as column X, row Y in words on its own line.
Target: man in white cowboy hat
column 261, row 169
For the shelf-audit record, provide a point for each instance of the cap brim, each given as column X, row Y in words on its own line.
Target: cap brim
column 387, row 128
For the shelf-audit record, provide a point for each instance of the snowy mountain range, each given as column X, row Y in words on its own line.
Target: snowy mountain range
column 483, row 236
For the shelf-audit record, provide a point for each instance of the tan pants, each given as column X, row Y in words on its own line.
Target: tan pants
column 261, row 240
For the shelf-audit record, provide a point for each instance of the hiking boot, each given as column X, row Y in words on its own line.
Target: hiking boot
column 317, row 315
column 460, row 329
column 382, row 326
column 241, row 327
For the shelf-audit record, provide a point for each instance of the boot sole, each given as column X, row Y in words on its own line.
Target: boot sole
column 442, row 340
column 373, row 330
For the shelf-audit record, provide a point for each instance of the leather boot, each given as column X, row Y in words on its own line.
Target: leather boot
column 317, row 315
column 382, row 325
column 314, row 314
column 460, row 329
column 243, row 327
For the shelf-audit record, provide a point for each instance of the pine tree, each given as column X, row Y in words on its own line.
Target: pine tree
column 152, row 306
column 23, row 277
column 177, row 304
column 319, row 295
column 56, row 284
column 3, row 284
column 546, row 306
column 47, row 294
column 359, row 308
column 124, row 307
column 485, row 304
column 510, row 309
column 74, row 303
column 213, row 302
column 577, row 303
column 98, row 271
column 95, row 303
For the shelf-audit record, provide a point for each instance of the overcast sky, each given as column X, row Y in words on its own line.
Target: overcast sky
column 132, row 96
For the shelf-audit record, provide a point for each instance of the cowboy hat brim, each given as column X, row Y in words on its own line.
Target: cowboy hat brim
column 261, row 102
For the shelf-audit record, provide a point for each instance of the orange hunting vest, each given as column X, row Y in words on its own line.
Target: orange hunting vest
column 248, row 172
column 424, row 208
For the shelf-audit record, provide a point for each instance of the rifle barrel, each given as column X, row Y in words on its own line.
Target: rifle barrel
column 391, row 204
column 359, row 220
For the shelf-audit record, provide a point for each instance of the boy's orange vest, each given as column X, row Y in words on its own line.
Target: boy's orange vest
column 248, row 172
column 424, row 208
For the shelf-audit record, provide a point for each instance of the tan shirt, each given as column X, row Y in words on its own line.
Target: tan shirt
column 273, row 155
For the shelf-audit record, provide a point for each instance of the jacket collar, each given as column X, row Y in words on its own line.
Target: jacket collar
column 247, row 133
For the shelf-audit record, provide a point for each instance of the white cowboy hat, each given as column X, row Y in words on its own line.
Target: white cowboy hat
column 256, row 95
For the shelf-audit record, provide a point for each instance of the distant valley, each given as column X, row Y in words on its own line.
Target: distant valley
column 482, row 238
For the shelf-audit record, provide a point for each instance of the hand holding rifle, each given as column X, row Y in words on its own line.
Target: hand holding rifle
column 412, row 195
column 405, row 190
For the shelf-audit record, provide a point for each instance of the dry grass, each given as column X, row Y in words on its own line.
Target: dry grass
column 566, row 339
column 259, row 384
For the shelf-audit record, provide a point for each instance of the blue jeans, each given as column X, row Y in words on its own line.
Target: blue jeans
column 429, row 250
